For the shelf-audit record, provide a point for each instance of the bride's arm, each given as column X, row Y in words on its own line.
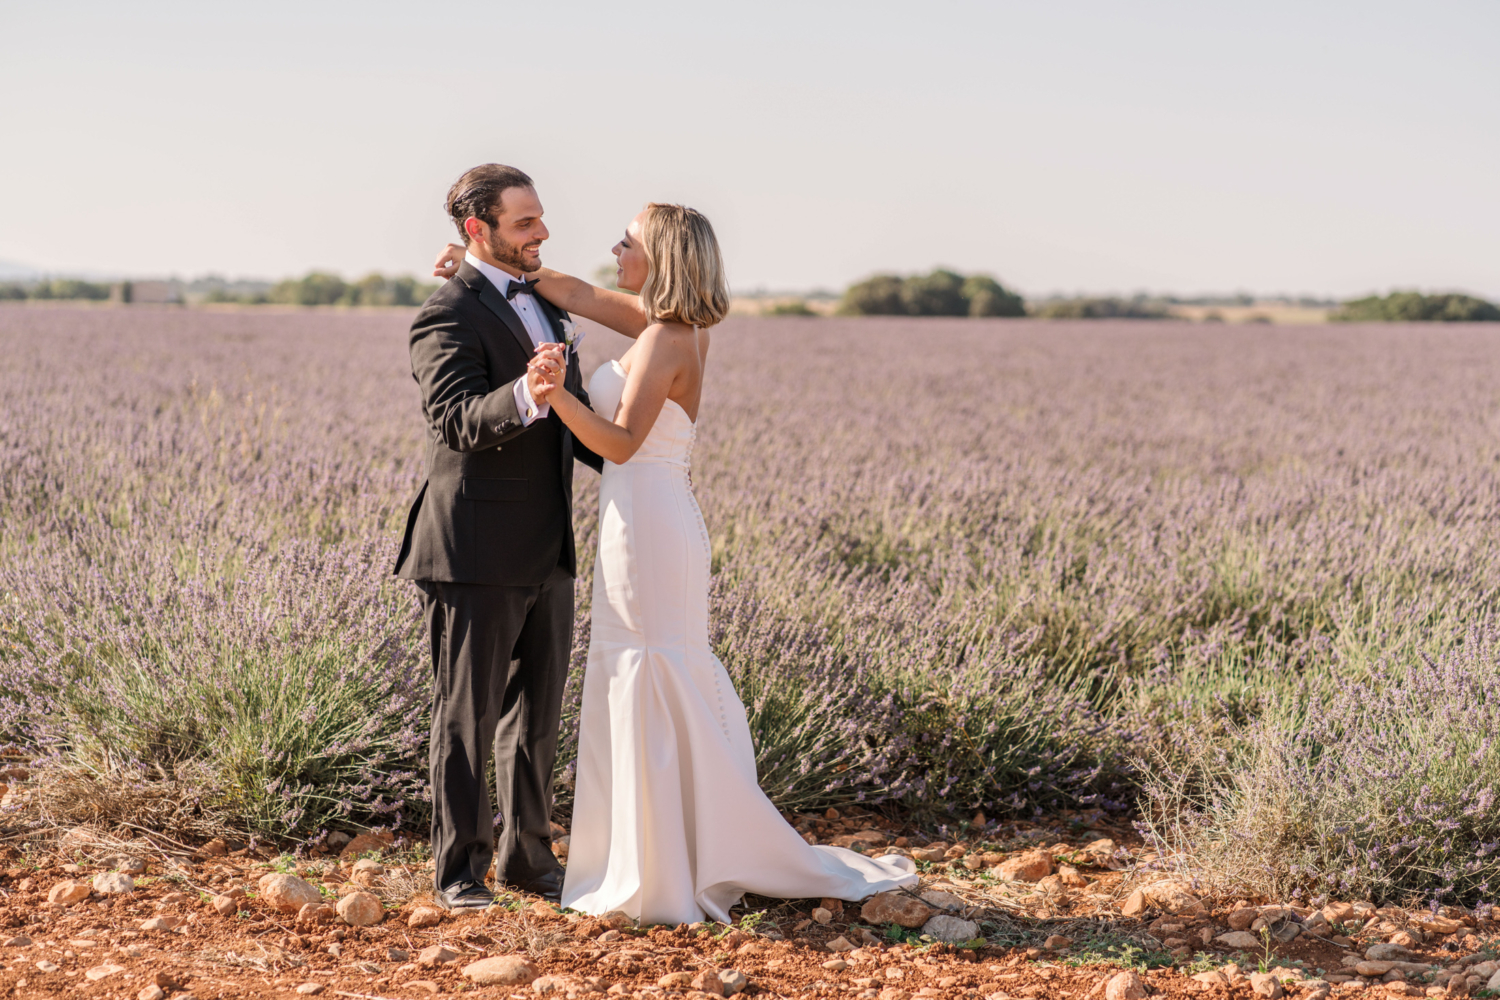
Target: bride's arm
column 655, row 365
column 616, row 310
column 620, row 312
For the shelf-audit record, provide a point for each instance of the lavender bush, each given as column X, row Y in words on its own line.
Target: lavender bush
column 958, row 564
column 1385, row 789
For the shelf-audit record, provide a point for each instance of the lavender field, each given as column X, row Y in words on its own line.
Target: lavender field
column 1241, row 582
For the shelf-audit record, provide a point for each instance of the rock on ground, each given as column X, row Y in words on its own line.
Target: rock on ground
column 895, row 908
column 1033, row 866
column 942, row 900
column 361, row 909
column 425, row 916
column 288, row 893
column 68, row 891
column 436, row 955
column 113, row 883
column 1265, row 984
column 503, row 970
column 734, row 981
column 1125, row 986
column 953, row 930
column 1238, row 939
column 708, row 981
column 366, row 843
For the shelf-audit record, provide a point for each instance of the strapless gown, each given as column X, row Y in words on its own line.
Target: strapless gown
column 669, row 822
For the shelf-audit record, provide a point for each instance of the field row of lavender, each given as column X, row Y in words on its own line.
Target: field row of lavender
column 1241, row 581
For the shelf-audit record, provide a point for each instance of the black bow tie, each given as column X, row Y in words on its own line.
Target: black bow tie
column 520, row 288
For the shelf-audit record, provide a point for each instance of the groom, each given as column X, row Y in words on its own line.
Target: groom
column 489, row 541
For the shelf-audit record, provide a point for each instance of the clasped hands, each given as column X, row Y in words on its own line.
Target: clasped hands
column 546, row 371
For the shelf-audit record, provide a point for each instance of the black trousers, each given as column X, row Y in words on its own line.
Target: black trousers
column 499, row 665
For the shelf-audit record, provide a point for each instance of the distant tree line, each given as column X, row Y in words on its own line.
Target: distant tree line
column 941, row 293
column 319, row 288
column 1139, row 307
column 58, row 288
column 1414, row 307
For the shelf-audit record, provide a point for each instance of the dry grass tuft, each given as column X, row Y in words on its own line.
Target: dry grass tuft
column 66, row 798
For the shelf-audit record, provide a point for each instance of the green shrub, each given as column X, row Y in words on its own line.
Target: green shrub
column 877, row 296
column 1104, row 308
column 70, row 288
column 987, row 297
column 940, row 293
column 796, row 307
column 1414, row 307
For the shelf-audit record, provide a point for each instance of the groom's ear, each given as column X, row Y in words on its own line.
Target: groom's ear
column 475, row 230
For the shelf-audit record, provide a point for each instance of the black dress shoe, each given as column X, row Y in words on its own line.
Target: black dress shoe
column 465, row 896
column 548, row 886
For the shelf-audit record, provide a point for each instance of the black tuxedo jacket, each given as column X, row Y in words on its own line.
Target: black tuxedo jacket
column 497, row 506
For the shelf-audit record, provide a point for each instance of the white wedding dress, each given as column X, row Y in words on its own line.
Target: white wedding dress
column 669, row 822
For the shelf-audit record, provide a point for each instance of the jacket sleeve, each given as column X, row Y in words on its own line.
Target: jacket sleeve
column 449, row 365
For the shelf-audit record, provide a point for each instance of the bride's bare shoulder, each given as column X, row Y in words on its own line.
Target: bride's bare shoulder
column 668, row 338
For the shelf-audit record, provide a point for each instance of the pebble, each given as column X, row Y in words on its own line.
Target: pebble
column 675, row 981
column 840, row 944
column 953, row 930
column 895, row 908
column 165, row 922
column 436, row 955
column 1238, row 939
column 151, row 992
column 822, row 916
column 361, row 909
column 68, row 892
column 1265, row 984
column 837, row 965
column 734, row 981
column 1057, row 943
column 99, row 972
column 1241, row 919
column 225, row 906
column 46, row 966
column 1125, row 986
column 288, row 893
column 503, row 970
column 942, row 900
column 19, row 941
column 425, row 916
column 366, row 843
column 1033, row 866
column 310, row 989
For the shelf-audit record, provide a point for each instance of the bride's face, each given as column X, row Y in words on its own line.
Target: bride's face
column 630, row 257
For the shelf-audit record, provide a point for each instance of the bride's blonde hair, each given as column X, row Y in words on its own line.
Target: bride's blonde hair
column 685, row 280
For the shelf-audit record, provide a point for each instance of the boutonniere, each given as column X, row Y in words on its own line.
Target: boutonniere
column 572, row 335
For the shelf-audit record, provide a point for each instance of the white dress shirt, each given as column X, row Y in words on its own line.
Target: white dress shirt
column 536, row 325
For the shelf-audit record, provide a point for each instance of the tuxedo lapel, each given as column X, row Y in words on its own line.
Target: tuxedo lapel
column 491, row 297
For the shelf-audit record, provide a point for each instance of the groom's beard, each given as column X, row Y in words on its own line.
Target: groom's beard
column 509, row 253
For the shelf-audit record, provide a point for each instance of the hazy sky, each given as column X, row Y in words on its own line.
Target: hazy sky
column 1321, row 147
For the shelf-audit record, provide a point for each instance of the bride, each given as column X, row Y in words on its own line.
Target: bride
column 669, row 822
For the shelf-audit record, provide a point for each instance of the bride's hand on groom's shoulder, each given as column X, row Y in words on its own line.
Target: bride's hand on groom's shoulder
column 448, row 261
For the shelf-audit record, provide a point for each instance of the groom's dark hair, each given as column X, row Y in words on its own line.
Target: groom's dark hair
column 478, row 192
